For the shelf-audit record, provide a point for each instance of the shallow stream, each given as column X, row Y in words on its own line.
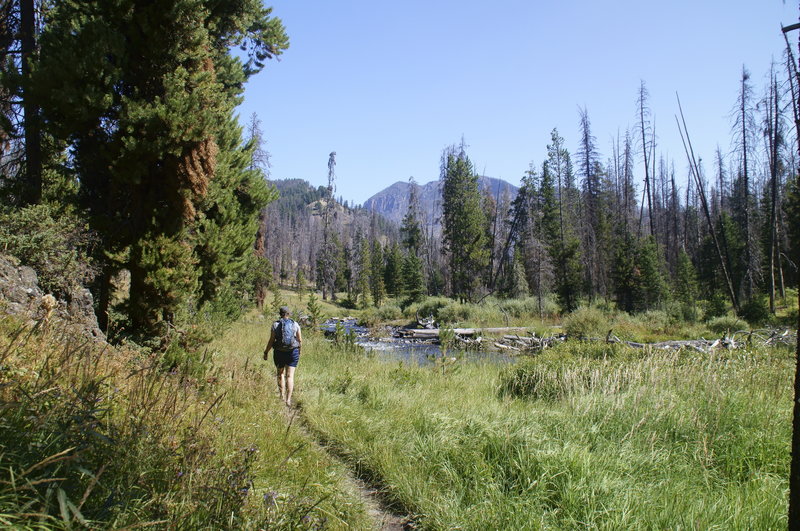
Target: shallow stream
column 415, row 352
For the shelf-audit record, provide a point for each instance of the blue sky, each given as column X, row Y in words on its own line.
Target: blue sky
column 388, row 85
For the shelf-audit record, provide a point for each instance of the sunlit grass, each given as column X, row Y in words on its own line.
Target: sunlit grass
column 619, row 439
column 92, row 436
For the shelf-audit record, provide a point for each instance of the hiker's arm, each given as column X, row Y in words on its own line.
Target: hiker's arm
column 299, row 338
column 269, row 343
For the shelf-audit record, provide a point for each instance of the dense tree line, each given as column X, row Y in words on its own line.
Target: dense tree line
column 580, row 229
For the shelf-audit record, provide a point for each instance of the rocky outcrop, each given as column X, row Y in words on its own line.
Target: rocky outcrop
column 20, row 296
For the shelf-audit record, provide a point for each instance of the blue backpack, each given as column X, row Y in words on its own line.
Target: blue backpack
column 285, row 335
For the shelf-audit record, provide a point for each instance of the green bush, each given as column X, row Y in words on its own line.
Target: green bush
column 456, row 312
column 428, row 307
column 528, row 307
column 56, row 246
column 716, row 306
column 586, row 322
column 755, row 311
column 387, row 312
column 726, row 324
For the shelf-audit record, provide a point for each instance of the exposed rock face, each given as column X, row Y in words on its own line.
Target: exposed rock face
column 19, row 287
column 392, row 202
column 20, row 295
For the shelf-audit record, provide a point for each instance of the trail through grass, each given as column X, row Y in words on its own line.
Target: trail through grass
column 103, row 438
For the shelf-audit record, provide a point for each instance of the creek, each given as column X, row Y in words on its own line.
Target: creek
column 411, row 351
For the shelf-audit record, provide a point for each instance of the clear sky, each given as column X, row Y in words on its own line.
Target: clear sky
column 388, row 85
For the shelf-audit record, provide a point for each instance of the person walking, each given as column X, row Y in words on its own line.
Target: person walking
column 285, row 341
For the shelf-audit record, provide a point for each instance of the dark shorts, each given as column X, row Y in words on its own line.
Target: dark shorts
column 283, row 358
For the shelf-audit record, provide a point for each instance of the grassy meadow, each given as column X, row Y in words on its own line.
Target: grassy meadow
column 581, row 436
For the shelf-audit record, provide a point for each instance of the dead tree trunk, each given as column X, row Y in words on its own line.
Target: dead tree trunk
column 695, row 171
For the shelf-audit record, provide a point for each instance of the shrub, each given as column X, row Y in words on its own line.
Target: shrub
column 55, row 245
column 455, row 312
column 716, row 306
column 528, row 307
column 656, row 320
column 586, row 322
column 726, row 324
column 755, row 311
column 387, row 312
column 428, row 307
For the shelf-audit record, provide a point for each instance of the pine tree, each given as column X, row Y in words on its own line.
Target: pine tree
column 590, row 223
column 569, row 277
column 686, row 287
column 392, row 276
column 147, row 116
column 314, row 310
column 411, row 228
column 651, row 287
column 376, row 280
column 328, row 258
column 463, row 223
column 413, row 280
column 363, row 290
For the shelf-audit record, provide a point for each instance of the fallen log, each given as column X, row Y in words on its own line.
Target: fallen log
column 505, row 347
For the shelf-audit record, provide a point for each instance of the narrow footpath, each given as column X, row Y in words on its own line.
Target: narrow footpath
column 383, row 517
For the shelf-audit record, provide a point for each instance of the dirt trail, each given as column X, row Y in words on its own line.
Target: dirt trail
column 382, row 516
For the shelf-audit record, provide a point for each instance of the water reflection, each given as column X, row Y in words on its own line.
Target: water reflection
column 408, row 351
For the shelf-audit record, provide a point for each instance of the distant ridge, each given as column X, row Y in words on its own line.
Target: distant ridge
column 392, row 202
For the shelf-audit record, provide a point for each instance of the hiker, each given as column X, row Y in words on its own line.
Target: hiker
column 285, row 340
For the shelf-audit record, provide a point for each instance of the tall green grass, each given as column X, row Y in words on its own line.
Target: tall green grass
column 97, row 437
column 584, row 436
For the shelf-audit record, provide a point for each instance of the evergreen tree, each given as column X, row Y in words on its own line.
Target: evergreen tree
column 377, row 284
column 651, row 286
column 147, row 116
column 686, row 287
column 590, row 222
column 231, row 207
column 413, row 280
column 744, row 130
column 328, row 258
column 463, row 223
column 624, row 274
column 569, row 273
column 411, row 228
column 392, row 276
column 517, row 286
column 565, row 250
column 362, row 294
column 314, row 311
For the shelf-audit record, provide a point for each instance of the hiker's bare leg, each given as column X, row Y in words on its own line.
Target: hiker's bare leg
column 281, row 382
column 289, row 384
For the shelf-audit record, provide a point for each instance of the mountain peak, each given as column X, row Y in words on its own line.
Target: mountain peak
column 392, row 202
